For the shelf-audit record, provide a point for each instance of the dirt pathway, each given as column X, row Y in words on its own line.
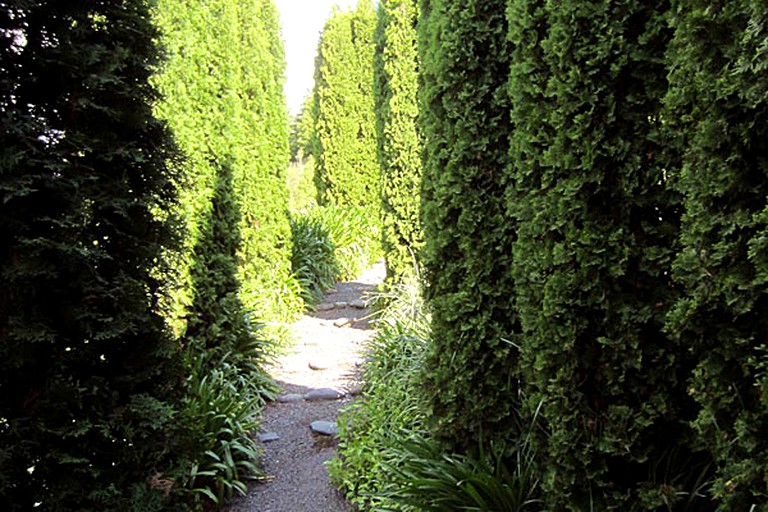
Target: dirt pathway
column 326, row 357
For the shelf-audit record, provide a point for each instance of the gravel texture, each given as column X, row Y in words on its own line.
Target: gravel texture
column 327, row 354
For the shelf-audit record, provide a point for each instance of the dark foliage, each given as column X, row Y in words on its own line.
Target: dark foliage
column 88, row 378
column 718, row 115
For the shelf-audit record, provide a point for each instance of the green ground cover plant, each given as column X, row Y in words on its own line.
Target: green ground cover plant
column 391, row 409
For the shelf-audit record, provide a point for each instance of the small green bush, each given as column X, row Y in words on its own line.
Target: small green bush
column 332, row 243
column 313, row 258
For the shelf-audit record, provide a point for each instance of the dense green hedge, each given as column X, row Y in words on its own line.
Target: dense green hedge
column 597, row 229
column 718, row 113
column 468, row 252
column 399, row 144
column 90, row 383
column 224, row 101
column 344, row 146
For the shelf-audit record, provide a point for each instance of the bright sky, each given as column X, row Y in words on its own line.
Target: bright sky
column 302, row 21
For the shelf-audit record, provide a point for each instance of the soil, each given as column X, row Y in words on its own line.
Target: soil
column 332, row 341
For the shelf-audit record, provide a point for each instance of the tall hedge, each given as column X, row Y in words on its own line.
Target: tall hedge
column 89, row 380
column 469, row 234
column 347, row 170
column 398, row 141
column 597, row 228
column 718, row 109
column 224, row 101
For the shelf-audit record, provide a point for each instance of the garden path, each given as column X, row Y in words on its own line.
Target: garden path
column 327, row 355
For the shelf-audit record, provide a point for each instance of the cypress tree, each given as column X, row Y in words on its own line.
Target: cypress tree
column 347, row 171
column 471, row 365
column 399, row 144
column 87, row 373
column 718, row 112
column 597, row 225
column 224, row 101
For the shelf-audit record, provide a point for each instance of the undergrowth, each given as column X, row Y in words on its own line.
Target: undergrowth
column 390, row 411
column 332, row 243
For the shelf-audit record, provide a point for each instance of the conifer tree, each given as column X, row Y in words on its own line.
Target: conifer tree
column 89, row 381
column 399, row 143
column 347, row 171
column 718, row 114
column 467, row 257
column 224, row 102
column 597, row 226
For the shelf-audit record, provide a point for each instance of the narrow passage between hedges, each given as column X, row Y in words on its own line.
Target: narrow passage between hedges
column 318, row 376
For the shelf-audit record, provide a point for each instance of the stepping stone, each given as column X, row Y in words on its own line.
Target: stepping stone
column 340, row 305
column 358, row 304
column 324, row 306
column 343, row 322
column 317, row 365
column 323, row 394
column 290, row 398
column 266, row 437
column 326, row 428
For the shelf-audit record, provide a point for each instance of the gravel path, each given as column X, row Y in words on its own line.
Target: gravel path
column 328, row 354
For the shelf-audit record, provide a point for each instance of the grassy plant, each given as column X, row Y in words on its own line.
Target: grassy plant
column 223, row 407
column 390, row 410
column 331, row 243
column 425, row 479
column 313, row 259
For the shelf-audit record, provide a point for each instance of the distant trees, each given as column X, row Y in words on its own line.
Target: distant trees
column 396, row 68
column 90, row 383
column 344, row 146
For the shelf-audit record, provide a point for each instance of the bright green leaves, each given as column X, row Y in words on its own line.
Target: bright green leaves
column 344, row 148
column 399, row 143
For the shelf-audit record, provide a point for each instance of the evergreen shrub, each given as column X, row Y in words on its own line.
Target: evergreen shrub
column 90, row 382
column 471, row 367
column 398, row 141
column 344, row 142
column 597, row 230
column 224, row 101
column 717, row 114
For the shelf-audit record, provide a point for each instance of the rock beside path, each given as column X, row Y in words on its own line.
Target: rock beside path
column 326, row 428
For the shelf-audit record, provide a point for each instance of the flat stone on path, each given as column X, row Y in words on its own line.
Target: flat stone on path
column 358, row 304
column 317, row 365
column 343, row 322
column 324, row 306
column 266, row 437
column 323, row 394
column 326, row 428
column 290, row 398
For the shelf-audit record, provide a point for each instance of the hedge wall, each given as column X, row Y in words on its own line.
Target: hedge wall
column 718, row 113
column 399, row 144
column 597, row 229
column 472, row 365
